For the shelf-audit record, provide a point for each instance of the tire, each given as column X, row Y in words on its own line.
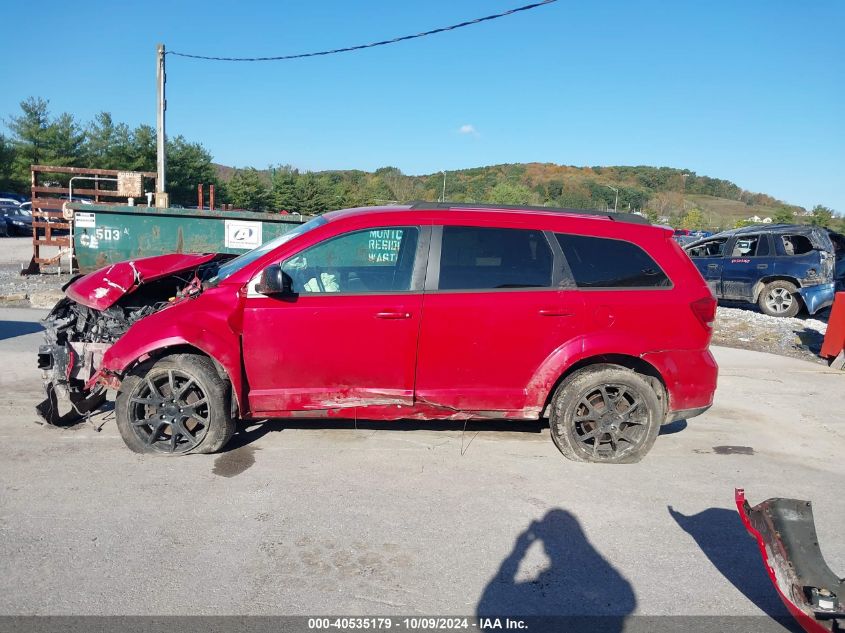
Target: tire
column 588, row 433
column 175, row 405
column 779, row 299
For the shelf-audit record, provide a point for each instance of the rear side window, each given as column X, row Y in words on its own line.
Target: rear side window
column 796, row 244
column 750, row 246
column 484, row 258
column 604, row 263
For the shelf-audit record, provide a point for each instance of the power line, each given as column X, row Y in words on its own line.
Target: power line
column 362, row 46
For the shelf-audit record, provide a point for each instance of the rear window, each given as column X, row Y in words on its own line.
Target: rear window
column 598, row 262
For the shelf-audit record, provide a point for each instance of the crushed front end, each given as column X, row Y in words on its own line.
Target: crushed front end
column 76, row 339
column 97, row 310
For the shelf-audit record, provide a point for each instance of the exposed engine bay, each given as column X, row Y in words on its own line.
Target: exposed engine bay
column 77, row 335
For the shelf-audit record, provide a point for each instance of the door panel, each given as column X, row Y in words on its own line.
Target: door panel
column 492, row 313
column 748, row 261
column 347, row 335
column 479, row 350
column 330, row 351
column 709, row 258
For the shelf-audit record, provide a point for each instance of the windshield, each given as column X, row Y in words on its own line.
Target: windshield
column 234, row 265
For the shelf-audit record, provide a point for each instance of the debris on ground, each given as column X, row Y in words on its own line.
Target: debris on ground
column 746, row 328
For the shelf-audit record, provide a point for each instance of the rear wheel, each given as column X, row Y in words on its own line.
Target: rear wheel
column 175, row 405
column 779, row 298
column 605, row 414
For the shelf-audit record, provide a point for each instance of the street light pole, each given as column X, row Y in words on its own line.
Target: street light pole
column 615, row 202
column 161, row 105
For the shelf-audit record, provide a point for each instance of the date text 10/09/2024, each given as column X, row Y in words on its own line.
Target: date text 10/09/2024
column 415, row 624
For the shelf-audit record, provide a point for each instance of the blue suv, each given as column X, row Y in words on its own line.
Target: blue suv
column 780, row 267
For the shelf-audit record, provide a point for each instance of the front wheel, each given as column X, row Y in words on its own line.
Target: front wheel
column 606, row 414
column 178, row 404
column 779, row 298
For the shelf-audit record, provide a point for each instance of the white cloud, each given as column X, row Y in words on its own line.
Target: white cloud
column 468, row 128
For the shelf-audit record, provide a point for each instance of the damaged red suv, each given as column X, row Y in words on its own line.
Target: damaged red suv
column 430, row 311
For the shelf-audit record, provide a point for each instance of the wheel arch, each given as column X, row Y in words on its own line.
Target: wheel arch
column 633, row 363
column 761, row 283
column 172, row 347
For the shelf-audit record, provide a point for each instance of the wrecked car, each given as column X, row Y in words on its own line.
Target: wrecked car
column 427, row 311
column 780, row 267
column 786, row 536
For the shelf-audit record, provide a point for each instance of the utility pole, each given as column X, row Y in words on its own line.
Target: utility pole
column 615, row 202
column 443, row 195
column 162, row 199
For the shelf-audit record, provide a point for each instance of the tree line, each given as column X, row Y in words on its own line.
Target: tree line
column 35, row 136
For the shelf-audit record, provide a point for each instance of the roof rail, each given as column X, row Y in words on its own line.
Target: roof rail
column 618, row 217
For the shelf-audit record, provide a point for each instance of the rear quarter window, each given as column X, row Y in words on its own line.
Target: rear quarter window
column 598, row 262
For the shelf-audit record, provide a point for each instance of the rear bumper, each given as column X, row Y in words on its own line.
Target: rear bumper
column 684, row 414
column 817, row 298
column 690, row 377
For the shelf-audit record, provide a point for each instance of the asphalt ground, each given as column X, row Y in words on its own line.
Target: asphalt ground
column 411, row 518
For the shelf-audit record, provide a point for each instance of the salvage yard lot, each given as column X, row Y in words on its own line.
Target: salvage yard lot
column 311, row 518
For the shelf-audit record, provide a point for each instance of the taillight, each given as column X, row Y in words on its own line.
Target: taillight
column 705, row 310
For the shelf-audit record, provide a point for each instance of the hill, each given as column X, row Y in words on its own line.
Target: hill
column 665, row 194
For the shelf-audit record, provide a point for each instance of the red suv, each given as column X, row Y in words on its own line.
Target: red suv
column 430, row 311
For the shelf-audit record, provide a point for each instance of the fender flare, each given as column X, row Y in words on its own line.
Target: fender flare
column 148, row 338
column 566, row 358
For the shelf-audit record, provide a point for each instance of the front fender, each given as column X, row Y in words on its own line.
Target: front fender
column 198, row 323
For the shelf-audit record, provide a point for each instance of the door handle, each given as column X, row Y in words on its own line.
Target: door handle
column 762, row 266
column 712, row 265
column 388, row 314
column 554, row 312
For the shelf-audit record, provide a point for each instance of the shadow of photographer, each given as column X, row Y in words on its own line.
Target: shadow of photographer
column 576, row 583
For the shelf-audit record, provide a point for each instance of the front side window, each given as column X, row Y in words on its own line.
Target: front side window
column 485, row 258
column 598, row 262
column 710, row 248
column 374, row 260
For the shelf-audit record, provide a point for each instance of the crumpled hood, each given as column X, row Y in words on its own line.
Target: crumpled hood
column 102, row 288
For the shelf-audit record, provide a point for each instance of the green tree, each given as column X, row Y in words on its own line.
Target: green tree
column 108, row 145
column 30, row 137
column 142, row 153
column 508, row 193
column 693, row 220
column 312, row 198
column 7, row 159
column 821, row 215
column 188, row 164
column 247, row 190
column 783, row 215
column 283, row 189
column 65, row 142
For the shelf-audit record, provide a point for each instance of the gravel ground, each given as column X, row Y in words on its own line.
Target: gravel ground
column 36, row 291
column 746, row 328
column 739, row 326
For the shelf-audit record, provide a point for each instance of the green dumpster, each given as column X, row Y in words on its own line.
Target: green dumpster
column 105, row 234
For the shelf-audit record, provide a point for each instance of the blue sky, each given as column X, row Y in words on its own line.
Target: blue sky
column 750, row 91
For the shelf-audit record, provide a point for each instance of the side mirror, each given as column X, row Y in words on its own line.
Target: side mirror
column 275, row 281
